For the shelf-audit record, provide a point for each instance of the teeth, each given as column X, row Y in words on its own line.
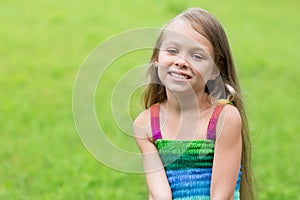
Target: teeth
column 181, row 76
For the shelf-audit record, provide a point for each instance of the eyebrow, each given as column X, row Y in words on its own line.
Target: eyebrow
column 194, row 48
column 170, row 43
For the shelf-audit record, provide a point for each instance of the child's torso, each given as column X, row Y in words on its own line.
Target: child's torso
column 188, row 163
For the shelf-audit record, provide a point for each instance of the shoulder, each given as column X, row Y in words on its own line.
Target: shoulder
column 142, row 132
column 231, row 113
column 142, row 120
column 141, row 124
column 230, row 122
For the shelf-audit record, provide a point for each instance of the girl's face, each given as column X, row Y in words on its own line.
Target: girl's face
column 185, row 59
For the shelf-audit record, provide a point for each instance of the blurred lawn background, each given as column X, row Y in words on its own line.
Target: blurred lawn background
column 42, row 45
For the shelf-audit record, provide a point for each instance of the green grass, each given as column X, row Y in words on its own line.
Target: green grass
column 44, row 43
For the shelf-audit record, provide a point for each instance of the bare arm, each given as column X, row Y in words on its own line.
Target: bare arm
column 227, row 158
column 158, row 186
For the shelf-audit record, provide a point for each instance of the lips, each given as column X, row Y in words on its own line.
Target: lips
column 179, row 75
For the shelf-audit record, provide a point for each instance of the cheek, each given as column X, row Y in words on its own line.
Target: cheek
column 164, row 59
column 205, row 70
column 162, row 72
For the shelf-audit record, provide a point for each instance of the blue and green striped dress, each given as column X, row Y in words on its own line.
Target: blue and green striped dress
column 188, row 163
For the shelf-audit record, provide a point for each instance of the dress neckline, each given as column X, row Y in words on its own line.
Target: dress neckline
column 211, row 128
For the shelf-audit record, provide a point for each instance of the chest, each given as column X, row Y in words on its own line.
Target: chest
column 185, row 126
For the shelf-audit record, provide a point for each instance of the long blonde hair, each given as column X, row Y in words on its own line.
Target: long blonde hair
column 208, row 26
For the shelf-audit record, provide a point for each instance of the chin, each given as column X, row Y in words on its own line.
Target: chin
column 180, row 90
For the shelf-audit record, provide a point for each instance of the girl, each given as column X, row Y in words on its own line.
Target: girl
column 195, row 144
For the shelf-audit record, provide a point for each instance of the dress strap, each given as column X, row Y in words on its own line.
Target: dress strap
column 154, row 119
column 211, row 129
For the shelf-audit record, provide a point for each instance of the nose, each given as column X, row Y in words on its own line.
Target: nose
column 181, row 62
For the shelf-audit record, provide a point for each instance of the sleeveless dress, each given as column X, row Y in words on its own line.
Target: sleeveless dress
column 188, row 163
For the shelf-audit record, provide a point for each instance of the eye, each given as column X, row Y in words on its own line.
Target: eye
column 172, row 51
column 197, row 57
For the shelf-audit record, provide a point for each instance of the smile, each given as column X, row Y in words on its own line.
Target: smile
column 179, row 75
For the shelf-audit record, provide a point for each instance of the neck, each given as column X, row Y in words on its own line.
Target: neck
column 182, row 102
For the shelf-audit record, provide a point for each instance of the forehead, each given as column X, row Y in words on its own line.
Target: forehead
column 182, row 32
